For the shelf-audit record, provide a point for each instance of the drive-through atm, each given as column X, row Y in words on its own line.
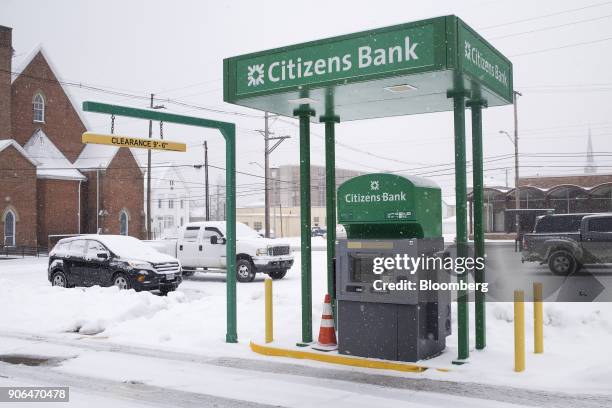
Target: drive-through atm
column 387, row 216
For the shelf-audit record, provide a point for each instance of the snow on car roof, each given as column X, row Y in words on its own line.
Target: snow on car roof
column 122, row 245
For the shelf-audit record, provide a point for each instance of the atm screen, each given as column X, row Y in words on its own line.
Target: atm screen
column 361, row 267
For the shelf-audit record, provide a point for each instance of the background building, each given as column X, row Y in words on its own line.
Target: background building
column 284, row 221
column 579, row 193
column 171, row 203
column 285, row 184
column 50, row 183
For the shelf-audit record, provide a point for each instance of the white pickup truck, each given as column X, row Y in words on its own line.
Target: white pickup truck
column 201, row 245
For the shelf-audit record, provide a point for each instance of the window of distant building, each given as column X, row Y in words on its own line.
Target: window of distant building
column 9, row 228
column 257, row 225
column 159, row 203
column 123, row 222
column 38, row 106
column 171, row 203
column 181, row 204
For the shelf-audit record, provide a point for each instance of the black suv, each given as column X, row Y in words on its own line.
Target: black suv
column 107, row 260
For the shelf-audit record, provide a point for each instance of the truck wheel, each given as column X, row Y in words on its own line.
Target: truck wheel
column 244, row 271
column 276, row 275
column 188, row 272
column 562, row 263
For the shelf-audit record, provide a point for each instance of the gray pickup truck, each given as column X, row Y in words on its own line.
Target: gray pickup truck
column 566, row 242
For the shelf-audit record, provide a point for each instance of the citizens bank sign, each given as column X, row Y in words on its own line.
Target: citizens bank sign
column 433, row 56
column 386, row 52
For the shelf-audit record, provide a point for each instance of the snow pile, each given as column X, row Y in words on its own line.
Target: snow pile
column 92, row 310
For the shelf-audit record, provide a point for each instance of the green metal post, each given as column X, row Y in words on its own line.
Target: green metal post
column 330, row 204
column 479, row 243
column 304, row 113
column 229, row 133
column 463, row 335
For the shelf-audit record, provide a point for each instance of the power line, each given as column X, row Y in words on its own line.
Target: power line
column 544, row 16
column 561, row 47
column 537, row 30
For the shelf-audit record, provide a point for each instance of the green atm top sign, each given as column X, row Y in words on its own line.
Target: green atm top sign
column 358, row 75
column 390, row 205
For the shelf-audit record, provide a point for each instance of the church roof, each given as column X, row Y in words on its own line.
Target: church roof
column 11, row 142
column 23, row 64
column 95, row 156
column 52, row 164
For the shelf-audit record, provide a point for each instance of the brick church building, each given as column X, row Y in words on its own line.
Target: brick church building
column 50, row 183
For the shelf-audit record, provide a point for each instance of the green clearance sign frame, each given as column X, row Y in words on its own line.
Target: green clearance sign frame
column 228, row 131
column 434, row 65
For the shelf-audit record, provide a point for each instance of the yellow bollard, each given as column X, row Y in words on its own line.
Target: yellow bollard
column 269, row 319
column 538, row 319
column 519, row 331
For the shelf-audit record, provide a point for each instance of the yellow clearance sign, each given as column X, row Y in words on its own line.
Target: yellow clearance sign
column 125, row 141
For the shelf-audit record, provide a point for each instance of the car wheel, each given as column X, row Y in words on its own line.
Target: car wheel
column 276, row 275
column 562, row 263
column 59, row 279
column 187, row 273
column 244, row 271
column 164, row 292
column 121, row 281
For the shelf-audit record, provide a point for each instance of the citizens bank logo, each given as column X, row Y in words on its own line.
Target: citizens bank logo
column 477, row 58
column 374, row 185
column 255, row 76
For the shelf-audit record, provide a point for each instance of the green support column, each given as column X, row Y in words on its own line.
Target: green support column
column 463, row 334
column 304, row 113
column 330, row 204
column 479, row 242
column 229, row 133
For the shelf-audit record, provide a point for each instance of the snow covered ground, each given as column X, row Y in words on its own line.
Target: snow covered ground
column 577, row 358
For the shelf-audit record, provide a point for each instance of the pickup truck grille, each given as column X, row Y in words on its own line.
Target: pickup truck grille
column 167, row 267
column 278, row 250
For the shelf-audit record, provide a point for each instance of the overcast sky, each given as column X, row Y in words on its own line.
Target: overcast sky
column 175, row 49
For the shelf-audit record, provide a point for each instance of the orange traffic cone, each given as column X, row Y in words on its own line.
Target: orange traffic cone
column 327, row 333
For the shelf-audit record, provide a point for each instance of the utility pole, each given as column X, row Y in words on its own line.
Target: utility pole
column 516, row 169
column 149, row 177
column 206, row 193
column 267, row 150
column 267, row 176
column 218, row 202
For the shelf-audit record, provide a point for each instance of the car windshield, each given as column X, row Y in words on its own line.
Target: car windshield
column 126, row 246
